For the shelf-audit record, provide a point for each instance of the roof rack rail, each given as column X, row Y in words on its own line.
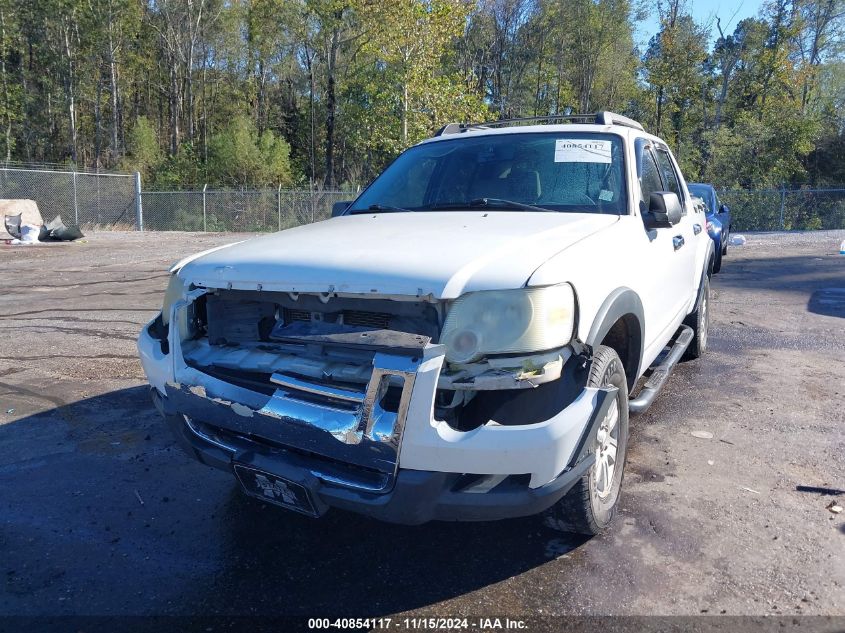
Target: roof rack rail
column 611, row 118
column 599, row 118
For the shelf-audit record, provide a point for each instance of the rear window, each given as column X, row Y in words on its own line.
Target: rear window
column 705, row 193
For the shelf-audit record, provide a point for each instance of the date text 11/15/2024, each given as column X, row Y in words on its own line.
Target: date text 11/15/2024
column 419, row 624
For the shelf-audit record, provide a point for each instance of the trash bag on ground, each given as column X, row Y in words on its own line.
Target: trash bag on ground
column 53, row 231
column 56, row 231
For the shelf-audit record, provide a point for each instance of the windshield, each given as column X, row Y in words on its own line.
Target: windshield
column 563, row 171
column 704, row 192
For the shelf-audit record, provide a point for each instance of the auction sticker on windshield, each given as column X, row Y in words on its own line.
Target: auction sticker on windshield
column 582, row 151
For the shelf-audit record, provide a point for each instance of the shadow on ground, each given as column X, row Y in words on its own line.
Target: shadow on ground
column 800, row 273
column 828, row 301
column 103, row 514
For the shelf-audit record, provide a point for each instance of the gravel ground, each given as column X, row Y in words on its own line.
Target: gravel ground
column 102, row 514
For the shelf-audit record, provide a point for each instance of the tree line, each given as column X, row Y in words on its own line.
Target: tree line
column 260, row 93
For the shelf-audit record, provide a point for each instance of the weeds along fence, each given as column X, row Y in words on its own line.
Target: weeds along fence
column 241, row 211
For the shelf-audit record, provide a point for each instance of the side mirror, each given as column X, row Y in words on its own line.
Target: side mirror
column 664, row 210
column 723, row 208
column 339, row 207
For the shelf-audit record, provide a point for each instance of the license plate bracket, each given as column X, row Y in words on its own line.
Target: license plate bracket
column 277, row 490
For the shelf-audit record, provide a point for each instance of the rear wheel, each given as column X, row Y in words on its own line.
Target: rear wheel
column 699, row 321
column 590, row 505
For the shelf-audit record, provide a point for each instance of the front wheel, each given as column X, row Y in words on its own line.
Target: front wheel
column 590, row 505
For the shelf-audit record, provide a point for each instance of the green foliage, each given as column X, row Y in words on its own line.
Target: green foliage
column 144, row 152
column 255, row 93
column 757, row 154
column 179, row 171
column 239, row 157
column 404, row 93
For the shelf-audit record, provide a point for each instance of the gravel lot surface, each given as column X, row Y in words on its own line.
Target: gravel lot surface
column 101, row 512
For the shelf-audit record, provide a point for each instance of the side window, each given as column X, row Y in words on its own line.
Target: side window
column 668, row 172
column 649, row 176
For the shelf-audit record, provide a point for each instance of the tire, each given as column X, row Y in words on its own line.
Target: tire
column 718, row 265
column 725, row 241
column 589, row 506
column 699, row 321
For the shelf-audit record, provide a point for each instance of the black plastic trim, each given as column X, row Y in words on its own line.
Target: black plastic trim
column 621, row 302
column 514, row 407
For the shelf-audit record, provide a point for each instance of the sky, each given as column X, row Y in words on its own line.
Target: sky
column 705, row 12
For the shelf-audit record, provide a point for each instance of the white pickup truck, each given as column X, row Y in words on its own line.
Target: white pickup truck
column 458, row 343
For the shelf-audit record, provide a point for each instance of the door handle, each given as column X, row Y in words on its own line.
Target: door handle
column 678, row 241
column 696, row 228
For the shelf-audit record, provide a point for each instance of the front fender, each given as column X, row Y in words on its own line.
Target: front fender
column 622, row 303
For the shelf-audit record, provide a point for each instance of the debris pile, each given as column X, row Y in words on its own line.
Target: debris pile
column 27, row 227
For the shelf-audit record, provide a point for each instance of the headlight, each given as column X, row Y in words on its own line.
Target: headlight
column 175, row 291
column 508, row 321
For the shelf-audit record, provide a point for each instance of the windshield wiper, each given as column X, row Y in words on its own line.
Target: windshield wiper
column 380, row 208
column 507, row 204
column 489, row 202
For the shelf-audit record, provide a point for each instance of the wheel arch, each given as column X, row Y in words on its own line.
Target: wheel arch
column 621, row 318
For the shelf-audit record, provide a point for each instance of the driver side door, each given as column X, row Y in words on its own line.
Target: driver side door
column 667, row 265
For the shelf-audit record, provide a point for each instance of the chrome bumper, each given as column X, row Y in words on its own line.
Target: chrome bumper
column 355, row 427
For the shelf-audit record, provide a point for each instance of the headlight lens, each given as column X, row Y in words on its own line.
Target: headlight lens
column 508, row 321
column 175, row 291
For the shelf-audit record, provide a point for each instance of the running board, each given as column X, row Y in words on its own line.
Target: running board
column 660, row 374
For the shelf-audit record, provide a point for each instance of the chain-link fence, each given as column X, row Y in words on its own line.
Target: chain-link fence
column 81, row 198
column 106, row 200
column 236, row 210
column 785, row 209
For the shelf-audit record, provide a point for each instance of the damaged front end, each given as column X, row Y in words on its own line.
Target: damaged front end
column 326, row 400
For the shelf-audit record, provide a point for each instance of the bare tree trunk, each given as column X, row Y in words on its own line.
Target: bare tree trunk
column 6, row 95
column 174, row 110
column 98, row 121
column 539, row 72
column 204, row 105
column 727, row 66
column 405, row 113
column 822, row 18
column 720, row 101
column 261, row 114
column 113, row 86
column 193, row 31
column 309, row 63
column 189, row 72
column 331, row 103
column 69, row 89
column 660, row 93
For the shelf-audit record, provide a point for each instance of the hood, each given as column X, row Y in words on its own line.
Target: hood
column 436, row 254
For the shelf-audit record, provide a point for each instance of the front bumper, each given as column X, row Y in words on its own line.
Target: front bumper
column 416, row 496
column 422, row 469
